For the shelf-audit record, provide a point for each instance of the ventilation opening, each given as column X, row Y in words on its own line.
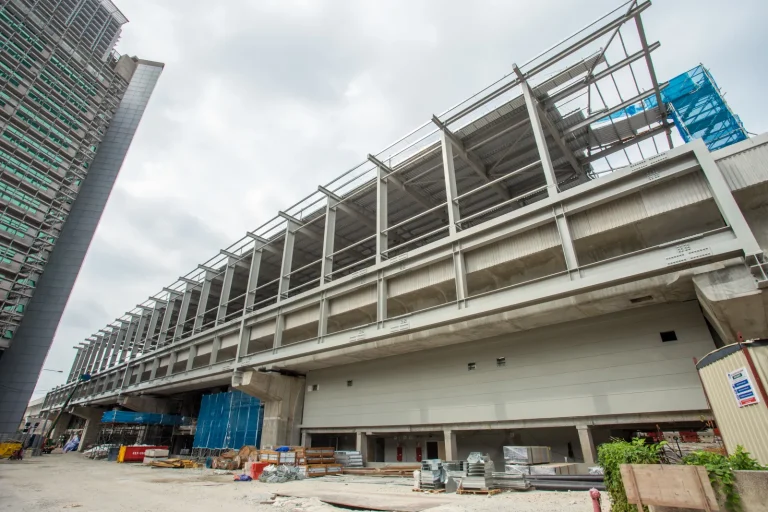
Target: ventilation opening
column 501, row 361
column 349, row 383
column 314, row 387
column 470, row 366
column 644, row 298
column 668, row 336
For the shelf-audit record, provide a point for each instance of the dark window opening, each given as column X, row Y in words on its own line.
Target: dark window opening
column 349, row 383
column 470, row 366
column 668, row 336
column 501, row 361
column 313, row 387
column 644, row 298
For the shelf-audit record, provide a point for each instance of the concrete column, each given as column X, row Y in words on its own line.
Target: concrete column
column 451, row 449
column 253, row 277
column 183, row 312
column 322, row 318
column 361, row 445
column 538, row 135
column 92, row 415
column 204, row 293
column 306, row 439
column 283, row 398
column 226, row 291
column 451, row 191
column 460, row 275
column 381, row 299
column 285, row 268
column 587, row 444
column 382, row 213
column 61, row 425
column 329, row 237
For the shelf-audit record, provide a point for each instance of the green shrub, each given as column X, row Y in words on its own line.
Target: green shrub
column 720, row 470
column 612, row 455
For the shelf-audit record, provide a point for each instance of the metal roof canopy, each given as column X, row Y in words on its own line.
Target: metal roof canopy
column 576, row 84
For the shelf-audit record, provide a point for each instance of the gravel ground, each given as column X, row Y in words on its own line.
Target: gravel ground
column 69, row 481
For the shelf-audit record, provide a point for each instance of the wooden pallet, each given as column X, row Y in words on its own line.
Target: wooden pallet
column 429, row 491
column 488, row 492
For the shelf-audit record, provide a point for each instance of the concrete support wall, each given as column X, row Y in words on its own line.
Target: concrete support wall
column 92, row 416
column 283, row 398
column 614, row 364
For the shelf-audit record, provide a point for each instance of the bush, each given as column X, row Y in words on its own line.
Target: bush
column 720, row 470
column 612, row 455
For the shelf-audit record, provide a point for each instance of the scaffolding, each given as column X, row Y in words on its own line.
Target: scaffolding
column 227, row 420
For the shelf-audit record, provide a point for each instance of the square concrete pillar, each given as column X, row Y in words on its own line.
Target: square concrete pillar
column 361, row 445
column 306, row 439
column 587, row 444
column 451, row 450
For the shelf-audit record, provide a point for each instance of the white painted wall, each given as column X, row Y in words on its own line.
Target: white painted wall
column 613, row 364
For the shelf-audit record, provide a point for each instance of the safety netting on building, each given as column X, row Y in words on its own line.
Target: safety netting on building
column 228, row 420
column 142, row 418
column 698, row 109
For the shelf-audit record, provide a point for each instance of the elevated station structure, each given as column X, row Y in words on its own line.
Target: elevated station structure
column 516, row 262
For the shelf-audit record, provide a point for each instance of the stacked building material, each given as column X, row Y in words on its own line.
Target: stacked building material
column 510, row 482
column 432, row 476
column 480, row 469
column 349, row 459
column 155, row 455
column 518, row 460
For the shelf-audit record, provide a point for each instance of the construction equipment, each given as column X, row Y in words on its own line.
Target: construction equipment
column 44, row 449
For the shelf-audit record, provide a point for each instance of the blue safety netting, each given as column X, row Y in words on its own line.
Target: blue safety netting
column 228, row 420
column 698, row 109
column 141, row 418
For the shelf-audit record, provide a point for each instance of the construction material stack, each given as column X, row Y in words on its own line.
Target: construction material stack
column 534, row 460
column 480, row 470
column 349, row 459
column 432, row 476
column 311, row 462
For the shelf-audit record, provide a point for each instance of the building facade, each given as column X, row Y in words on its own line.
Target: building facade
column 70, row 107
column 524, row 268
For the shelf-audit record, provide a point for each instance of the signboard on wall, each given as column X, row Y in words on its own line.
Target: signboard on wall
column 742, row 387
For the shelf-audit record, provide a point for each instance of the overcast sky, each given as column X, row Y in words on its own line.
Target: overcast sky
column 261, row 101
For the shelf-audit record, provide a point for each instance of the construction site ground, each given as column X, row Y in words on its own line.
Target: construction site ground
column 70, row 481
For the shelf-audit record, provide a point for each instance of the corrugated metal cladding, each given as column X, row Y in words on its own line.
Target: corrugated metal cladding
column 425, row 277
column 516, row 247
column 746, row 426
column 613, row 364
column 262, row 329
column 302, row 317
column 353, row 300
column 746, row 168
column 665, row 197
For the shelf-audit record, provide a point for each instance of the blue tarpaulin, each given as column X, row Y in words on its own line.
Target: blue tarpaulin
column 141, row 418
column 228, row 420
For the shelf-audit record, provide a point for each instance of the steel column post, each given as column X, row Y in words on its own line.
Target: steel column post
column 129, row 334
column 381, row 299
column 329, row 236
column 279, row 328
column 138, row 344
column 191, row 357
column 172, row 357
column 724, row 199
column 382, row 213
column 226, row 291
column 119, row 343
column 451, row 191
column 204, row 293
column 75, row 364
column 215, row 347
column 566, row 241
column 155, row 366
column 253, row 279
column 165, row 325
column 152, row 327
column 460, row 275
column 183, row 312
column 287, row 263
column 322, row 318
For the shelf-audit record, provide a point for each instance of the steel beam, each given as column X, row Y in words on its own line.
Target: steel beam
column 138, row 344
column 566, row 242
column 165, row 325
column 416, row 196
column 287, row 261
column 183, row 313
column 472, row 160
column 75, row 364
column 360, row 214
column 538, row 135
column 654, row 80
column 253, row 279
column 329, row 238
column 152, row 327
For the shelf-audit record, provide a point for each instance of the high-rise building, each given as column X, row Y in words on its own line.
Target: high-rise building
column 69, row 107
